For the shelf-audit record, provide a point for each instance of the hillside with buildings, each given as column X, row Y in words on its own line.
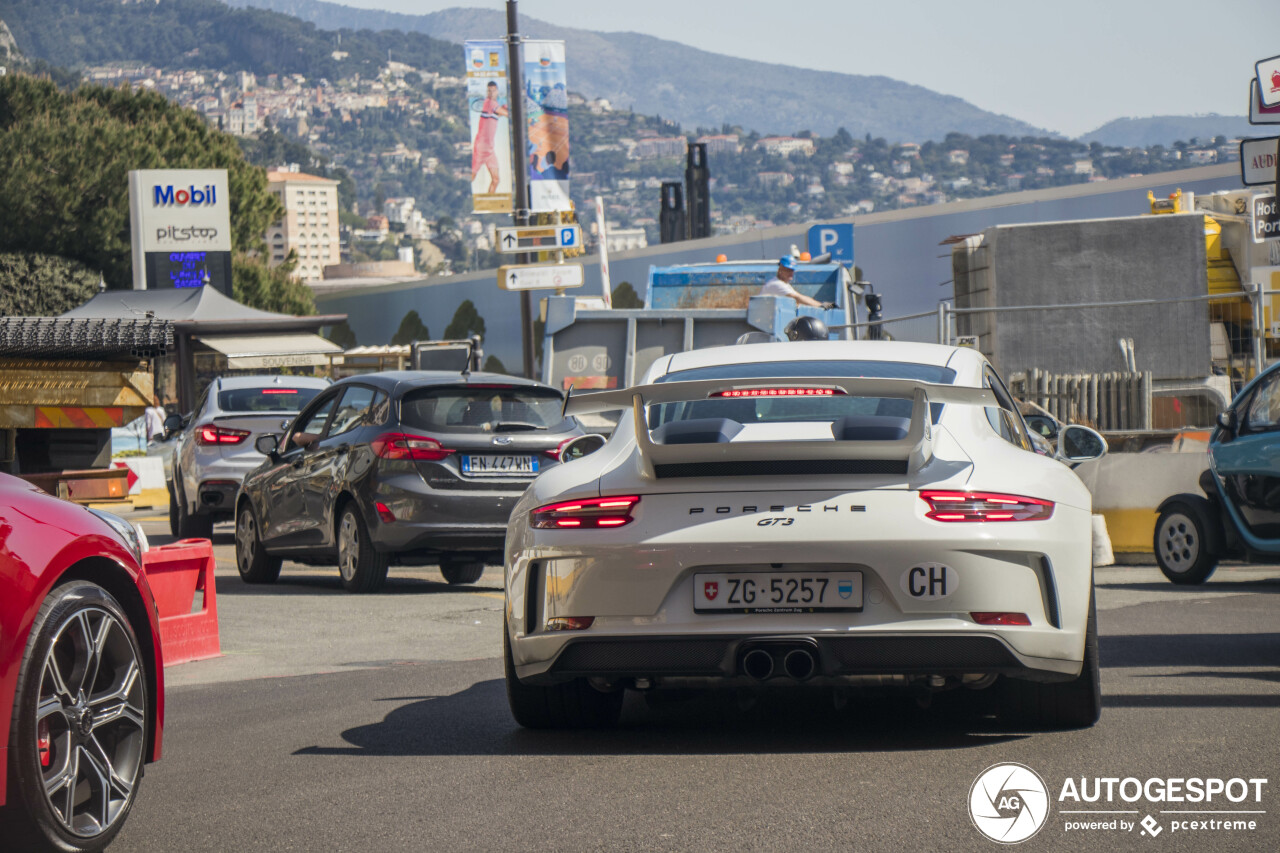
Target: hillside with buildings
column 390, row 140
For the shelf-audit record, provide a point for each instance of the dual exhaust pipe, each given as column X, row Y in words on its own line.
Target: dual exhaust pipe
column 798, row 662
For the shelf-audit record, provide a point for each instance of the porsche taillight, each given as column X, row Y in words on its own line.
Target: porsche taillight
column 984, row 506
column 586, row 514
column 212, row 435
column 398, row 445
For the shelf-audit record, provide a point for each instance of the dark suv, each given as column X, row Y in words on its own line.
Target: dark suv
column 421, row 466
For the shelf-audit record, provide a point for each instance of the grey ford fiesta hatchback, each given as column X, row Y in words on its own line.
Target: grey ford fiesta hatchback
column 423, row 467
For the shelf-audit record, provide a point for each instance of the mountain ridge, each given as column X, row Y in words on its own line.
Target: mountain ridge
column 698, row 88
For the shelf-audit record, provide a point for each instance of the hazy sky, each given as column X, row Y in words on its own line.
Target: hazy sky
column 1068, row 67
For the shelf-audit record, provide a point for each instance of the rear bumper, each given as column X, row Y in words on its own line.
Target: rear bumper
column 719, row 658
column 431, row 520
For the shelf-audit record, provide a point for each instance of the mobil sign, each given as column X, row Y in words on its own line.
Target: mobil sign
column 179, row 213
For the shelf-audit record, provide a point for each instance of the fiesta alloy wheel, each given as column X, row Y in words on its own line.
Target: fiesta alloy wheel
column 252, row 560
column 362, row 567
column 80, row 730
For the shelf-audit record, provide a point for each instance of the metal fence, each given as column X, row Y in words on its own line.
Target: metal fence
column 1194, row 352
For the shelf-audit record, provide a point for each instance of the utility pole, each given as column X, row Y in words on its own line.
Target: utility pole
column 519, row 162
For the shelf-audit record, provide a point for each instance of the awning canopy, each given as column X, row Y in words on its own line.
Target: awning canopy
column 256, row 352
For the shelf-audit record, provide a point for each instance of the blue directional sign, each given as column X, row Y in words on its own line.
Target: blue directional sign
column 835, row 238
column 569, row 237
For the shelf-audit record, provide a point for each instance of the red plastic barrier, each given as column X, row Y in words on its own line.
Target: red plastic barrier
column 175, row 572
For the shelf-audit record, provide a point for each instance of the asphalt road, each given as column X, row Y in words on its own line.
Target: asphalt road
column 379, row 723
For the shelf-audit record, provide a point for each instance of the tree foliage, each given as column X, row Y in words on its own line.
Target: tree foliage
column 270, row 288
column 35, row 285
column 342, row 335
column 466, row 321
column 625, row 296
column 411, row 329
column 66, row 159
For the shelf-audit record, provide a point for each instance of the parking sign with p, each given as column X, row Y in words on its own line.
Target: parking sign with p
column 835, row 238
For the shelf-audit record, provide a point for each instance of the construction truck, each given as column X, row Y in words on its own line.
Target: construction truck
column 687, row 306
column 64, row 385
column 1144, row 322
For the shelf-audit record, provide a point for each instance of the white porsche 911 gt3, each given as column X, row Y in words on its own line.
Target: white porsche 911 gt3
column 823, row 513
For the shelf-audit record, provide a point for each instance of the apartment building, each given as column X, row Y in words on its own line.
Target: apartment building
column 310, row 224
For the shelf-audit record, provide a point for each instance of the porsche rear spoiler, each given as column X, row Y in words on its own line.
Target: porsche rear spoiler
column 916, row 449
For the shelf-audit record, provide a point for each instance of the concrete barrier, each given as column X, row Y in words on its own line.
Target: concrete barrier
column 146, row 480
column 1127, row 488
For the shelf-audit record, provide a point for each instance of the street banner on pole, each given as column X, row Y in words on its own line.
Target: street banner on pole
column 487, row 104
column 547, row 115
column 605, row 285
column 1266, row 218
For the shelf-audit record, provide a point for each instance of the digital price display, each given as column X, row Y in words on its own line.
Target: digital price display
column 181, row 270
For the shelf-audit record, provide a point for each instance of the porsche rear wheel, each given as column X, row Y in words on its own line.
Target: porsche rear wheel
column 1075, row 704
column 78, row 743
column 571, row 705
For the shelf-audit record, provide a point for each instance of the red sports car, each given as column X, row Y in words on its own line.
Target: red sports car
column 80, row 667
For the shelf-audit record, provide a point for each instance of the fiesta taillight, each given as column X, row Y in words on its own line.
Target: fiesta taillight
column 984, row 506
column 212, row 434
column 780, row 392
column 398, row 445
column 384, row 513
column 586, row 514
column 1001, row 618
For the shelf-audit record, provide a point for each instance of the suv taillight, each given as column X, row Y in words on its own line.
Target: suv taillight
column 399, row 445
column 212, row 434
column 586, row 514
column 984, row 506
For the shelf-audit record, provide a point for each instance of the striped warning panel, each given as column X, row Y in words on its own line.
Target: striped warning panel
column 78, row 417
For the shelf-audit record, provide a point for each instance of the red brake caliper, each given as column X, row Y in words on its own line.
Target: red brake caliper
column 42, row 743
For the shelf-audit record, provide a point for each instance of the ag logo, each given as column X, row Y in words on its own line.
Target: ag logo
column 1008, row 803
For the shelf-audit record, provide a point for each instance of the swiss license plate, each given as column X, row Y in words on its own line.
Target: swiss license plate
column 777, row 592
column 499, row 466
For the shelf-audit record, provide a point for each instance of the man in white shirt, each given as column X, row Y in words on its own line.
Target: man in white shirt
column 780, row 285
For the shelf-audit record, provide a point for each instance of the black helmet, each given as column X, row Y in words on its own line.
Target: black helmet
column 806, row 329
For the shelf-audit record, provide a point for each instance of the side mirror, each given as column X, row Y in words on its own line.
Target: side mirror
column 1079, row 444
column 1227, row 420
column 267, row 444
column 583, row 445
column 172, row 424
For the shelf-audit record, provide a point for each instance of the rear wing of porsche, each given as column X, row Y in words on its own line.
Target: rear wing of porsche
column 904, row 455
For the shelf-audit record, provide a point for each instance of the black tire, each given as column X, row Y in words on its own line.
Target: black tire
column 56, row 654
column 571, row 705
column 361, row 567
column 1075, row 704
column 173, row 514
column 461, row 571
column 252, row 560
column 191, row 526
column 1184, row 543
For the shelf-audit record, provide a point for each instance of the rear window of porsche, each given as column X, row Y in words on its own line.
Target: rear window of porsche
column 800, row 408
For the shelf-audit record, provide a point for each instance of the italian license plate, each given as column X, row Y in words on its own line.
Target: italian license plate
column 777, row 592
column 499, row 466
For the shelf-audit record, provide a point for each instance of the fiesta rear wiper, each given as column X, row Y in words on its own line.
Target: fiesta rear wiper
column 516, row 426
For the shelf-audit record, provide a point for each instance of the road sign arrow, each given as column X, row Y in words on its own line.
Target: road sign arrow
column 511, row 279
column 509, row 240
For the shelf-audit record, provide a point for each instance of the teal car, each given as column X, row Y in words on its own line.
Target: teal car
column 1238, row 517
